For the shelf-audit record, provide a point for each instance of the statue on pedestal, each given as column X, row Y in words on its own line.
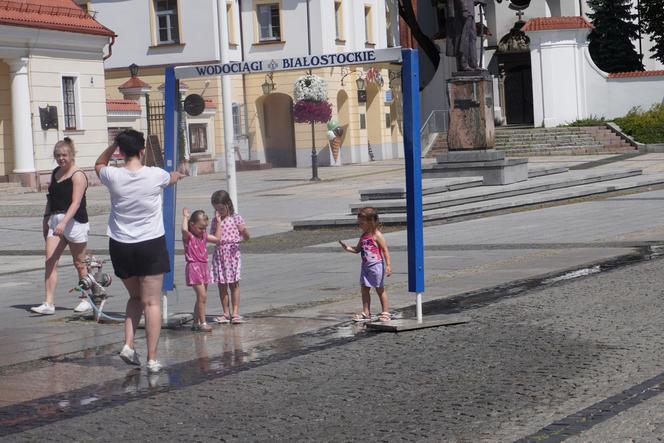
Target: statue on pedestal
column 462, row 33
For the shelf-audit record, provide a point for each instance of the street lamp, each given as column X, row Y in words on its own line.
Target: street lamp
column 360, row 82
column 133, row 70
column 268, row 87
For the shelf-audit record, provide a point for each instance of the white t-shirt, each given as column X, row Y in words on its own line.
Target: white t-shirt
column 136, row 202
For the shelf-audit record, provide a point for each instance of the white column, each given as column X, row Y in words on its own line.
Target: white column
column 24, row 157
column 227, row 104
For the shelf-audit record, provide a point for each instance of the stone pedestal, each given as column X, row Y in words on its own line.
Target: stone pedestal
column 489, row 164
column 471, row 111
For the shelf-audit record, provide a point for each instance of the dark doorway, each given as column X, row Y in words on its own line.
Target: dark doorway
column 279, row 132
column 518, row 95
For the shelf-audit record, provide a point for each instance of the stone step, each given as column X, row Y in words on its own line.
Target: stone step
column 483, row 208
column 11, row 188
column 429, row 187
column 566, row 151
column 483, row 194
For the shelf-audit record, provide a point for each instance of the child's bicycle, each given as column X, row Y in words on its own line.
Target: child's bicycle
column 91, row 288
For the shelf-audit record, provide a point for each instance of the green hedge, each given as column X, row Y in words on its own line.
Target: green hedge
column 644, row 126
column 593, row 120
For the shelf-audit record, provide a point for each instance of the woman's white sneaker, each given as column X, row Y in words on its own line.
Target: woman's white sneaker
column 44, row 309
column 130, row 356
column 83, row 306
column 154, row 366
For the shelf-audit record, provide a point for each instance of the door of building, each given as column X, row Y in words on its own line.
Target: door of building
column 519, row 95
column 279, row 130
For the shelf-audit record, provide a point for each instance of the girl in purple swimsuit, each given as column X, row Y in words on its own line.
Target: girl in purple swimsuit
column 375, row 264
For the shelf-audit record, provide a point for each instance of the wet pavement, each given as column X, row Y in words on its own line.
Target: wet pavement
column 298, row 291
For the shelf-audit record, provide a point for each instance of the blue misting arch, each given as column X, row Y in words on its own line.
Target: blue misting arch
column 411, row 138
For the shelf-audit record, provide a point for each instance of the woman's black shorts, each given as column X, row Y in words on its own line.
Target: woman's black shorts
column 149, row 257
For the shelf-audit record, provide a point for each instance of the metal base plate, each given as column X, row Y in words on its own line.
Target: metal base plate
column 430, row 321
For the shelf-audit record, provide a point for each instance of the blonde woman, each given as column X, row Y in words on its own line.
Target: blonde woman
column 65, row 223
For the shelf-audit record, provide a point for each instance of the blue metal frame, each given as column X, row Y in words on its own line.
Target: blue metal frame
column 413, row 154
column 410, row 78
column 170, row 164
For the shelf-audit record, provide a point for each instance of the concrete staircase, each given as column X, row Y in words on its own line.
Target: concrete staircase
column 449, row 199
column 524, row 142
column 10, row 188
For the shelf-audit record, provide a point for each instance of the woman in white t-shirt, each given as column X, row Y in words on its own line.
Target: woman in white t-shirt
column 136, row 238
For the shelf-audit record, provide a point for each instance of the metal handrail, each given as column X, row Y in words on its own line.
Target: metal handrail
column 435, row 124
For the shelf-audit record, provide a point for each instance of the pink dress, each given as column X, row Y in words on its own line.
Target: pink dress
column 226, row 260
column 196, row 270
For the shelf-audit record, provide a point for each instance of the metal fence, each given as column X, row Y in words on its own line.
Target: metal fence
column 155, row 116
column 435, row 124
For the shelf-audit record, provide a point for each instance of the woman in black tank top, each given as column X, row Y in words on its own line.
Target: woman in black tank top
column 65, row 222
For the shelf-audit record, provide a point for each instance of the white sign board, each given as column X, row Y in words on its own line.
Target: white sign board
column 389, row 55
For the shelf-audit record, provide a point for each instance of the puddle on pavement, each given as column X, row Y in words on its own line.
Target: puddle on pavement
column 67, row 387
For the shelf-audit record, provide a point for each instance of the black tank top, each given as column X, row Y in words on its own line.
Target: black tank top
column 60, row 195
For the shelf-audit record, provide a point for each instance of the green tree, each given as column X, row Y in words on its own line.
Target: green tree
column 615, row 27
column 652, row 22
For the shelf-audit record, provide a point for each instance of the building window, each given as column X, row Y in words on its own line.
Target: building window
column 231, row 24
column 368, row 26
column 363, row 121
column 268, row 22
column 69, row 102
column 338, row 21
column 166, row 12
column 388, row 120
column 197, row 138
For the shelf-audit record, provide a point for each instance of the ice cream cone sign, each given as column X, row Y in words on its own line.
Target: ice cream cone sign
column 335, row 136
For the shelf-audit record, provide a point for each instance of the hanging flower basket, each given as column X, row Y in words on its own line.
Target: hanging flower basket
column 308, row 111
column 310, row 87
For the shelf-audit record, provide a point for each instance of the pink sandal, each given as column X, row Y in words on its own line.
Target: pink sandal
column 222, row 319
column 361, row 317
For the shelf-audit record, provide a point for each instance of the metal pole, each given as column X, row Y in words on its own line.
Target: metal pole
column 314, row 155
column 413, row 154
column 170, row 164
column 227, row 104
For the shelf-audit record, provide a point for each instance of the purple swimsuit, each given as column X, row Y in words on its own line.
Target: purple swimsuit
column 372, row 273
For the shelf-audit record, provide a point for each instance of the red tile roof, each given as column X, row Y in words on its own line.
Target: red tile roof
column 635, row 74
column 122, row 105
column 58, row 15
column 554, row 23
column 134, row 82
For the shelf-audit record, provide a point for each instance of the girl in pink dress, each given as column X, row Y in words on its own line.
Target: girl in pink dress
column 226, row 260
column 197, row 272
column 376, row 264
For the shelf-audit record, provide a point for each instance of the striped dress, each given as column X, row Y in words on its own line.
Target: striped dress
column 227, row 260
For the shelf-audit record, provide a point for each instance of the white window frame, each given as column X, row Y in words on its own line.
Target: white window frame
column 230, row 20
column 271, row 37
column 169, row 14
column 368, row 25
column 78, row 115
column 339, row 20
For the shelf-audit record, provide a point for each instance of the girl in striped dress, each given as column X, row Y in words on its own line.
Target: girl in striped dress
column 227, row 260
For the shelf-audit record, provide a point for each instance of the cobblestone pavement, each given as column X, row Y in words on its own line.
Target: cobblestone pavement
column 521, row 364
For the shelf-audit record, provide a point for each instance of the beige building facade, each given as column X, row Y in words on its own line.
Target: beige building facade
column 51, row 87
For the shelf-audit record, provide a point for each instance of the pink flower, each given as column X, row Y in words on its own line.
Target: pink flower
column 307, row 111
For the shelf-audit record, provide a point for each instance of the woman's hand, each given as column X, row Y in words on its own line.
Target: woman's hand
column 60, row 228
column 388, row 270
column 185, row 213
